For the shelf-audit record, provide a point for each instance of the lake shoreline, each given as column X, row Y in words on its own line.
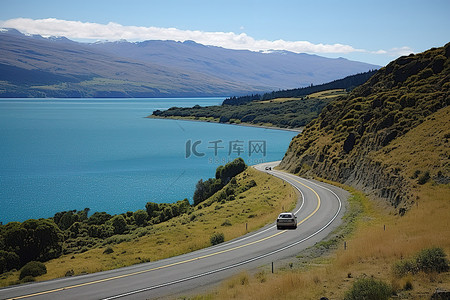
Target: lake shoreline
column 299, row 130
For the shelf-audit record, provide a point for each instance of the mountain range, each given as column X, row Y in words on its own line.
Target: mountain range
column 34, row 66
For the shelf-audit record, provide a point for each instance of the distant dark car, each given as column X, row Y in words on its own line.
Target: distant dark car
column 287, row 220
column 268, row 168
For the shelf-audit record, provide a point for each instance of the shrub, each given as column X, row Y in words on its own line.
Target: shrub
column 33, row 269
column 369, row 289
column 408, row 286
column 428, row 260
column 432, row 260
column 108, row 250
column 119, row 224
column 8, row 261
column 140, row 216
column 217, row 238
column 403, row 267
column 117, row 239
column 226, row 223
column 424, row 178
column 28, row 279
column 99, row 218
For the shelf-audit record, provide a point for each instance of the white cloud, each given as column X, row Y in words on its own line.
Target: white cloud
column 112, row 31
column 400, row 51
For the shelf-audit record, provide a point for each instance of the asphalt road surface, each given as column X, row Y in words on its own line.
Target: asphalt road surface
column 319, row 211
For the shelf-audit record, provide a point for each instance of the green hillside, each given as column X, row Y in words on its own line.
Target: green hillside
column 347, row 83
column 285, row 109
column 292, row 113
column 353, row 139
column 390, row 138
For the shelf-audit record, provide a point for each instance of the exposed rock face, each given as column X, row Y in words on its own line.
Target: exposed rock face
column 353, row 136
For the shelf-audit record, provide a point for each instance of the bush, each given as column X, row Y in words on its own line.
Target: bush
column 424, row 178
column 8, row 261
column 33, row 240
column 140, row 216
column 369, row 289
column 403, row 267
column 427, row 260
column 226, row 223
column 28, row 279
column 33, row 269
column 432, row 260
column 108, row 250
column 217, row 238
column 119, row 224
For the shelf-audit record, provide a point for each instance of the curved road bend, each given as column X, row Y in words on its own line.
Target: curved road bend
column 319, row 211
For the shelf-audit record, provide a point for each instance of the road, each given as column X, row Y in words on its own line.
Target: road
column 319, row 211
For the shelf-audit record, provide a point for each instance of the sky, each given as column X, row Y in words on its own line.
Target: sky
column 375, row 32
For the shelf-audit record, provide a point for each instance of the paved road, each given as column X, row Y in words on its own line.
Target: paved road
column 319, row 211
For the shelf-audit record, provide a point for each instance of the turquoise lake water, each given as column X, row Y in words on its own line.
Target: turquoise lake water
column 64, row 154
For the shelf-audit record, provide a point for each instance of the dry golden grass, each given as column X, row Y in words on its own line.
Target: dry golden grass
column 371, row 251
column 257, row 207
column 328, row 94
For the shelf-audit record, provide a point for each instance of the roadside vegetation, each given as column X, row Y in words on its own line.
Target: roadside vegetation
column 388, row 254
column 391, row 138
column 248, row 201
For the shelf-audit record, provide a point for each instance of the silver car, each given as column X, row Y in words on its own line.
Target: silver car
column 287, row 220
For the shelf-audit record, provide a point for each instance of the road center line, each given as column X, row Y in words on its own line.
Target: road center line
column 176, row 263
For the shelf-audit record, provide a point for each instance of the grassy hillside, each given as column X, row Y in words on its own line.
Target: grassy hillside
column 282, row 112
column 258, row 200
column 389, row 137
column 358, row 139
column 381, row 241
column 348, row 83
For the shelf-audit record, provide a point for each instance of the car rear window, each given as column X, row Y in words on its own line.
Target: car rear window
column 286, row 216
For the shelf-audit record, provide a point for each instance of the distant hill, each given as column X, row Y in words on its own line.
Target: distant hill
column 33, row 66
column 388, row 135
column 347, row 83
column 267, row 71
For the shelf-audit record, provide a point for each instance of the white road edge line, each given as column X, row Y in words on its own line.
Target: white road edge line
column 240, row 263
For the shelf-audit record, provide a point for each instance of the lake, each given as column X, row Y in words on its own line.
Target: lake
column 65, row 154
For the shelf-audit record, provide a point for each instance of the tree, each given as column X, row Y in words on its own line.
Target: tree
column 152, row 209
column 205, row 189
column 8, row 261
column 33, row 240
column 140, row 217
column 99, row 218
column 231, row 169
column 119, row 224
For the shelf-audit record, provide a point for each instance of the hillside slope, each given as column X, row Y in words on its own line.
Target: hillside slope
column 272, row 71
column 33, row 66
column 388, row 136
